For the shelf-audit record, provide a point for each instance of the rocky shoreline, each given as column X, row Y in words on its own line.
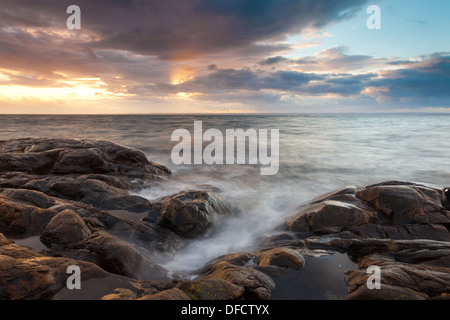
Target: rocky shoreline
column 68, row 193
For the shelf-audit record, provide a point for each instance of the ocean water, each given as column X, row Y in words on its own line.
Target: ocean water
column 317, row 154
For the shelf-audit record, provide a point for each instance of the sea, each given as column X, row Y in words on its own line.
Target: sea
column 317, row 153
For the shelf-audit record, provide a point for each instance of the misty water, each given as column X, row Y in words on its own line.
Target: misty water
column 317, row 154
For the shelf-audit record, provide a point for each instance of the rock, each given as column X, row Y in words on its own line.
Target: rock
column 120, row 294
column 62, row 189
column 189, row 213
column 234, row 268
column 338, row 212
column 9, row 249
column 67, row 156
column 156, row 241
column 281, row 257
column 89, row 171
column 387, row 292
column 26, row 274
column 30, row 197
column 66, row 229
column 405, row 204
column 169, row 294
column 395, row 210
column 17, row 217
column 410, row 251
column 211, row 289
column 399, row 280
column 277, row 261
column 130, row 203
column 119, row 257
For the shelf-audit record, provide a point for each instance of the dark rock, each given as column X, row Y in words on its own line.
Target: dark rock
column 66, row 229
column 189, row 213
column 340, row 211
column 120, row 294
column 19, row 217
column 155, row 240
column 119, row 257
column 129, row 203
column 66, row 156
column 278, row 261
column 394, row 210
column 407, row 204
column 26, row 274
column 211, row 289
column 281, row 257
column 399, row 280
column 169, row 294
column 235, row 268
column 89, row 171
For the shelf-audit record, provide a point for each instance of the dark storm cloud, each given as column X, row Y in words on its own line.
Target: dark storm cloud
column 272, row 60
column 181, row 29
column 178, row 30
column 246, row 79
column 221, row 81
column 422, row 82
column 425, row 82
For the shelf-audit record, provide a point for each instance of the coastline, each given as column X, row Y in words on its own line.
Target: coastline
column 68, row 192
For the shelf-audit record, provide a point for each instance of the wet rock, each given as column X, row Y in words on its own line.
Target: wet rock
column 169, row 294
column 130, row 203
column 394, row 210
column 119, row 257
column 66, row 229
column 26, row 274
column 277, row 261
column 211, row 289
column 405, row 204
column 338, row 212
column 18, row 217
column 281, row 257
column 189, row 213
column 157, row 242
column 10, row 249
column 399, row 280
column 255, row 284
column 89, row 171
column 67, row 156
column 120, row 294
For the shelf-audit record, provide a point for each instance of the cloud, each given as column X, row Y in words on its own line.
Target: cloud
column 424, row 82
column 181, row 29
column 231, row 51
column 272, row 60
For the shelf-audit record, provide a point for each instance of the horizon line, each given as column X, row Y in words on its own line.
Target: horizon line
column 228, row 114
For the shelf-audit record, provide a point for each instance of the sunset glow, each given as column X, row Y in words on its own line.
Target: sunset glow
column 220, row 56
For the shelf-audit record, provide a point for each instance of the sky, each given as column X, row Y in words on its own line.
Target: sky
column 224, row 56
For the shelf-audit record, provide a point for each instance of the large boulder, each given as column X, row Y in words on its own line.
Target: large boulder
column 189, row 213
column 24, row 211
column 89, row 171
column 28, row 275
column 236, row 269
column 68, row 156
column 394, row 210
column 119, row 257
column 66, row 229
column 399, row 280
